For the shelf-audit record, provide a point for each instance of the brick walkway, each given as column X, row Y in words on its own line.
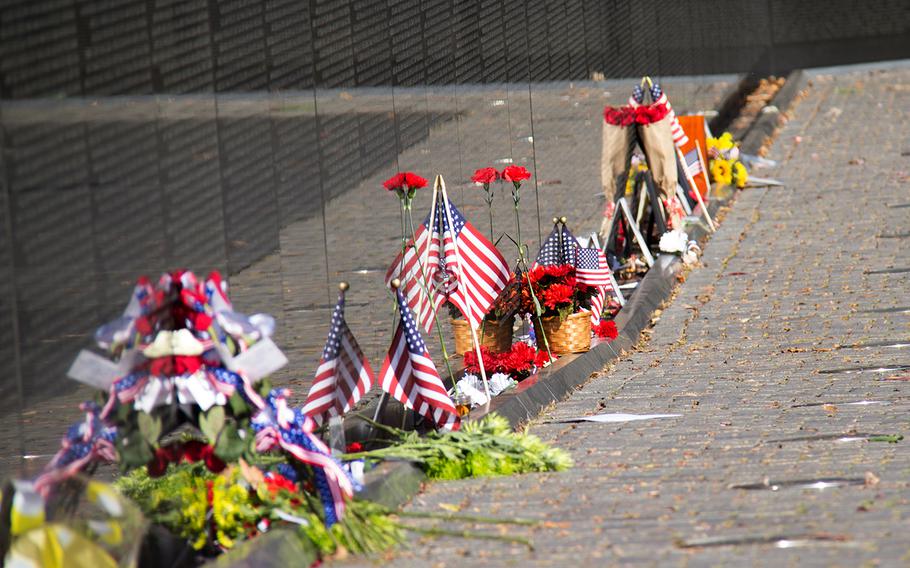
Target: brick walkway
column 758, row 354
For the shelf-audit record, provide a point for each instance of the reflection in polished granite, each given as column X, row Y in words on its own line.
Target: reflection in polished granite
column 108, row 189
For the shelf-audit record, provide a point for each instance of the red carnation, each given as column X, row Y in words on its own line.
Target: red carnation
column 490, row 360
column 414, row 181
column 520, row 358
column 276, row 482
column 187, row 364
column 607, row 330
column 485, row 176
column 558, row 294
column 403, row 181
column 515, row 174
column 543, row 359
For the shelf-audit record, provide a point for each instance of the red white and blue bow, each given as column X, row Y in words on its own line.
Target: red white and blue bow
column 87, row 441
column 279, row 426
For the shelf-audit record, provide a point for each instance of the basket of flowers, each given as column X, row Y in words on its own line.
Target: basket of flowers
column 565, row 320
column 496, row 331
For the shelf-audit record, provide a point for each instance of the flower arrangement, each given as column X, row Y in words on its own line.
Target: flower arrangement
column 557, row 291
column 519, row 362
column 726, row 167
column 606, row 329
column 485, row 447
column 642, row 114
column 242, row 502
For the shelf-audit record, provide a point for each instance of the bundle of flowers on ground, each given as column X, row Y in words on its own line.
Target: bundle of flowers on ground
column 485, row 447
column 725, row 165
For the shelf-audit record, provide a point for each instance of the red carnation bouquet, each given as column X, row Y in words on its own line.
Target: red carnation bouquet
column 519, row 362
column 557, row 290
column 642, row 114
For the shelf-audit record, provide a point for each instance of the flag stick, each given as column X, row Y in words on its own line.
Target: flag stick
column 425, row 288
column 701, row 202
column 445, row 199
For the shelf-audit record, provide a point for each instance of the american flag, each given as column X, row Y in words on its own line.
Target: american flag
column 344, row 374
column 591, row 268
column 676, row 129
column 409, row 375
column 692, row 162
column 558, row 248
column 454, row 262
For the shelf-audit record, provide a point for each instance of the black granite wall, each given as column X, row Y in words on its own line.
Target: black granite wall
column 139, row 135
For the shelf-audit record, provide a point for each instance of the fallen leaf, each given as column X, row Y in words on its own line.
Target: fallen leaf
column 871, row 479
column 830, row 408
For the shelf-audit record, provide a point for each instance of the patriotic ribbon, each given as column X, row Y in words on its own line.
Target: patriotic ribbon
column 278, row 426
column 84, row 442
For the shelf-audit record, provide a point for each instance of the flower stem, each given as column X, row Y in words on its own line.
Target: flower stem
column 523, row 264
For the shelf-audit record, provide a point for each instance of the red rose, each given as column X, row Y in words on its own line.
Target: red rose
column 158, row 465
column 212, row 462
column 194, row 450
column 485, row 176
column 515, row 174
column 354, row 447
column 606, row 329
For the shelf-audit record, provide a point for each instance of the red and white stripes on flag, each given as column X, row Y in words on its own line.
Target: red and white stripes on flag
column 417, row 268
column 449, row 260
column 591, row 268
column 409, row 376
column 476, row 271
column 344, row 374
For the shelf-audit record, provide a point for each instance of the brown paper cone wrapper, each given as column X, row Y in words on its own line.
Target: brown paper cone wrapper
column 661, row 153
column 612, row 164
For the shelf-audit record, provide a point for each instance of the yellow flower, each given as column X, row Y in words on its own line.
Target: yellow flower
column 723, row 143
column 721, row 171
column 740, row 175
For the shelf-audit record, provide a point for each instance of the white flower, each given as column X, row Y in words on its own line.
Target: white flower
column 471, row 387
column 674, row 242
column 500, row 382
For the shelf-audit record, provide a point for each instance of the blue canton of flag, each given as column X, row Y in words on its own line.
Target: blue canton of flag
column 558, row 248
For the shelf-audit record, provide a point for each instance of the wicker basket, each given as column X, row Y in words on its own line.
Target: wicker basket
column 570, row 336
column 497, row 335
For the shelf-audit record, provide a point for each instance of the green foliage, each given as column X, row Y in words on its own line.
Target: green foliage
column 190, row 500
column 486, row 447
